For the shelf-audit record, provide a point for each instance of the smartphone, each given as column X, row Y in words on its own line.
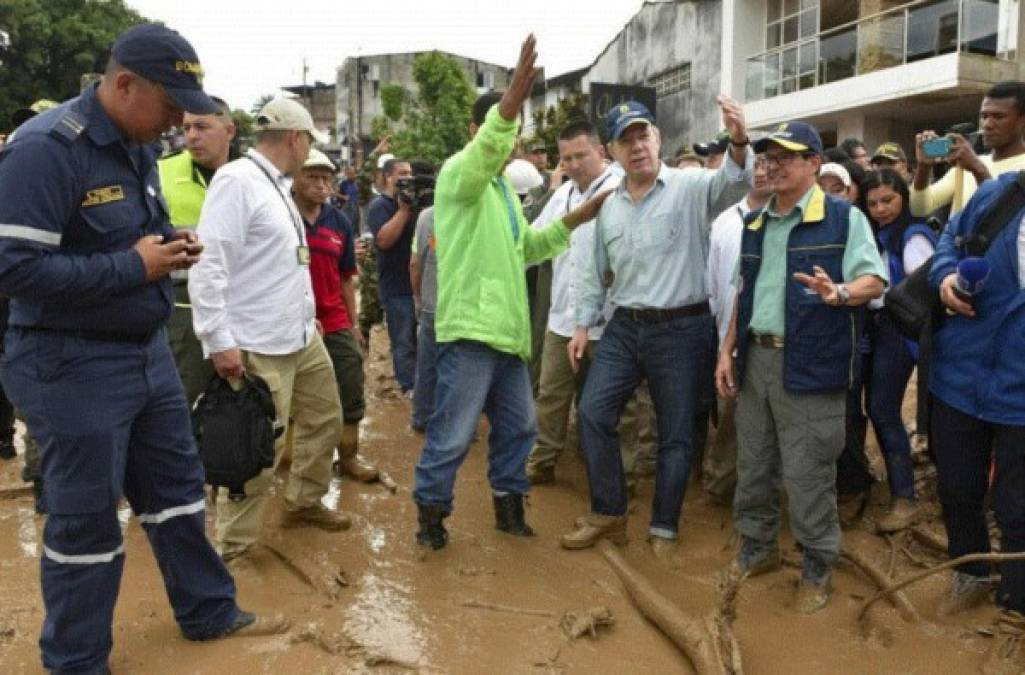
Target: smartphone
column 937, row 148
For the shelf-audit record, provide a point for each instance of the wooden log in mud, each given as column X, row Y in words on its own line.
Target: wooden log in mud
column 694, row 637
column 882, row 580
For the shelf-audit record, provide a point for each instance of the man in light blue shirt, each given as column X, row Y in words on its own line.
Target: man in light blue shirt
column 650, row 251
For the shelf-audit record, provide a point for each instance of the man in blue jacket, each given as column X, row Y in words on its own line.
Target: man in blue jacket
column 978, row 414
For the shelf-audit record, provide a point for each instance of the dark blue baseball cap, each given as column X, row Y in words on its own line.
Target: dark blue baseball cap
column 623, row 115
column 161, row 55
column 797, row 136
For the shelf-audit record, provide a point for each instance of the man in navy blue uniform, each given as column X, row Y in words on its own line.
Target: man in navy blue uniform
column 85, row 253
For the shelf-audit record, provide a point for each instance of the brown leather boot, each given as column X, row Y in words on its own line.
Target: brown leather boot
column 593, row 528
column 350, row 463
column 903, row 514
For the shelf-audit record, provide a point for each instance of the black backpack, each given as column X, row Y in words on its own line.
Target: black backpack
column 235, row 432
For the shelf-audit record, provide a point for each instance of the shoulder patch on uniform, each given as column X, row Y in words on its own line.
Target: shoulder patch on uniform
column 103, row 195
column 68, row 126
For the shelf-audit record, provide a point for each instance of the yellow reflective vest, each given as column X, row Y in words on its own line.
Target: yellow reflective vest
column 183, row 187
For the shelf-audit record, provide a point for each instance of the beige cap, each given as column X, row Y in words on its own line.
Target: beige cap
column 285, row 114
column 523, row 176
column 318, row 160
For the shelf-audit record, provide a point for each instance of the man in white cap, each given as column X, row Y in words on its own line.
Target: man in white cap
column 253, row 309
column 835, row 180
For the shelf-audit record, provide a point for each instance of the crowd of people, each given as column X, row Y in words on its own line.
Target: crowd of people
column 743, row 288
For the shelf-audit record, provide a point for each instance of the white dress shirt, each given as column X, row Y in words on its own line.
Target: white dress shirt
column 250, row 289
column 562, row 315
column 723, row 253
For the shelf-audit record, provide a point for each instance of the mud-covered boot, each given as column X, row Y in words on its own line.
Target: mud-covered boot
column 592, row 528
column 903, row 513
column 350, row 463
column 432, row 533
column 509, row 516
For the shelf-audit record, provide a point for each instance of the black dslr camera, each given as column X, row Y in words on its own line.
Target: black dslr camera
column 417, row 191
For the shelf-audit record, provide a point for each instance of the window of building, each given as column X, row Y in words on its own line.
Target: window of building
column 790, row 21
column 671, row 81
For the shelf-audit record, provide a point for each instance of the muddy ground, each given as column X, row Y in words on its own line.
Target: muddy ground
column 369, row 600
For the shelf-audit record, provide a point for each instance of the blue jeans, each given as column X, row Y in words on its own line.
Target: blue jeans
column 426, row 372
column 889, row 374
column 400, row 314
column 473, row 377
column 673, row 356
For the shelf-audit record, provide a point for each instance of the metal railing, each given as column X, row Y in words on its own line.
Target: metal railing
column 912, row 32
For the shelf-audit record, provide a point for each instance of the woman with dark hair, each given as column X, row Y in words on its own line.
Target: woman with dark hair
column 905, row 244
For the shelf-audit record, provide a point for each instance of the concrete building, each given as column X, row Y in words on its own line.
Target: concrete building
column 872, row 69
column 358, row 88
column 672, row 46
column 319, row 99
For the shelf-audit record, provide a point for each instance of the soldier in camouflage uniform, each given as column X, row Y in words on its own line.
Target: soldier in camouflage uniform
column 370, row 310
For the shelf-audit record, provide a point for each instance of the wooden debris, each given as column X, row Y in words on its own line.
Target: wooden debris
column 929, row 538
column 329, row 583
column 388, row 482
column 882, row 580
column 695, row 638
column 16, row 491
column 918, row 576
column 576, row 626
column 477, row 604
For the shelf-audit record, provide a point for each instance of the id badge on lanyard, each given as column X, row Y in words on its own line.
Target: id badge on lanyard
column 303, row 255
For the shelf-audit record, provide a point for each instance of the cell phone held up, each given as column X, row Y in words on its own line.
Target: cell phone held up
column 937, row 148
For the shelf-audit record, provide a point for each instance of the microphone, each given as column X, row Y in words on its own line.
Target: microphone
column 972, row 273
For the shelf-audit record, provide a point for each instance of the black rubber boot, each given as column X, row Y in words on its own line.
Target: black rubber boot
column 509, row 516
column 432, row 534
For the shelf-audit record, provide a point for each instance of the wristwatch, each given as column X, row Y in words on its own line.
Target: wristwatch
column 843, row 295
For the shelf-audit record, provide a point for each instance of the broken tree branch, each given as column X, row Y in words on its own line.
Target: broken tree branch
column 477, row 604
column 692, row 637
column 907, row 581
column 882, row 580
column 929, row 538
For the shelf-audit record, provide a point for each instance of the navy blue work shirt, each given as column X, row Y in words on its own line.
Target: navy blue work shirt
column 75, row 197
column 392, row 263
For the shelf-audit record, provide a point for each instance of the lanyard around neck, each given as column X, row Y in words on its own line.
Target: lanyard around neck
column 509, row 206
column 297, row 224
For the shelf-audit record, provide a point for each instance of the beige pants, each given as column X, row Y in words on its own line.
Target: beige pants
column 303, row 387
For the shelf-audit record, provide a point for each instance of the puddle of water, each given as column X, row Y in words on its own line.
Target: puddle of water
column 381, row 617
column 28, row 537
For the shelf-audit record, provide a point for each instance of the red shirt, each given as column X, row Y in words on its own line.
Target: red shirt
column 332, row 261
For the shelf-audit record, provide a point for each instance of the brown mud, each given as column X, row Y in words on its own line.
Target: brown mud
column 370, row 601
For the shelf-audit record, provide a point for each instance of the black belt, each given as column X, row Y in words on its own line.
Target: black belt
column 767, row 341
column 97, row 335
column 651, row 316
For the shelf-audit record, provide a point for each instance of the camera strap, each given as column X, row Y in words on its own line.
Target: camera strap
column 509, row 206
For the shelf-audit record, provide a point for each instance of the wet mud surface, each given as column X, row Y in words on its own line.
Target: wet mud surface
column 370, row 601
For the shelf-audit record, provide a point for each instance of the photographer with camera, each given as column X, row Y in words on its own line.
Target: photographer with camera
column 392, row 220
column 1001, row 125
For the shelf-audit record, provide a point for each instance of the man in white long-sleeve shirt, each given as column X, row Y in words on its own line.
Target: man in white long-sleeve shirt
column 253, row 310
column 719, row 473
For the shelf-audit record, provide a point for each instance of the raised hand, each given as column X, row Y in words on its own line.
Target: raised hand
column 522, row 82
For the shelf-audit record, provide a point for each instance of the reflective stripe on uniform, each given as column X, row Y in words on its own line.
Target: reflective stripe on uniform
column 173, row 512
column 31, row 233
column 87, row 559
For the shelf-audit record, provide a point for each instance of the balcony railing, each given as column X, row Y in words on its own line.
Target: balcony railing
column 911, row 32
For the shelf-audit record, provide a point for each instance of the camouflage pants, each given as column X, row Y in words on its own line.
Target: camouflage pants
column 370, row 310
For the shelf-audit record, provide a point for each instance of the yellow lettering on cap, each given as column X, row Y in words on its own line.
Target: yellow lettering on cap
column 782, row 127
column 188, row 67
column 624, row 109
column 103, row 195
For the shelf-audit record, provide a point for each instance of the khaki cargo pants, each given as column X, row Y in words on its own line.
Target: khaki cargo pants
column 303, row 387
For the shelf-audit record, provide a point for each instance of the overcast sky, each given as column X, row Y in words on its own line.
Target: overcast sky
column 251, row 48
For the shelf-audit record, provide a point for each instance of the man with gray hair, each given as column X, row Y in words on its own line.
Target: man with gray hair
column 253, row 310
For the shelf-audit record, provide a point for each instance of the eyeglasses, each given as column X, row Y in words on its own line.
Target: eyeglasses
column 783, row 158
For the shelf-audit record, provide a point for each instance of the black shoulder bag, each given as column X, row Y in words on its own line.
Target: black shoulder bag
column 914, row 304
column 235, row 432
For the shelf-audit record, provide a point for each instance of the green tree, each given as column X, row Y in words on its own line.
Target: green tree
column 260, row 102
column 433, row 124
column 548, row 122
column 51, row 44
column 244, row 123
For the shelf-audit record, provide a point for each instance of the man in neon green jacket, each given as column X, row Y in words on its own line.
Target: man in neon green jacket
column 482, row 321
